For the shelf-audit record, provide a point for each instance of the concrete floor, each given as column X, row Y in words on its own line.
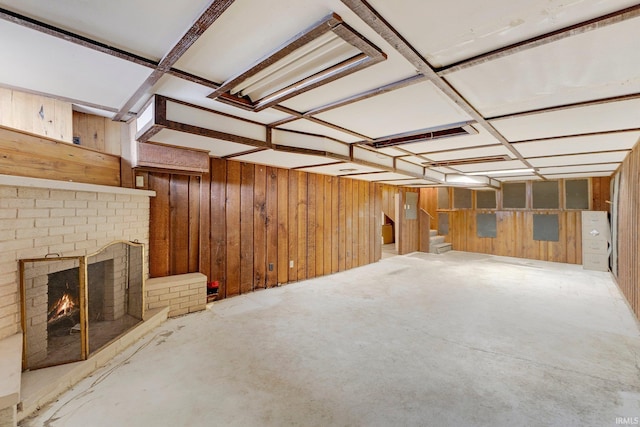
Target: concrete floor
column 444, row 340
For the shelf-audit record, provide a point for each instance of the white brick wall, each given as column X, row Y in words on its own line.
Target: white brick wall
column 35, row 222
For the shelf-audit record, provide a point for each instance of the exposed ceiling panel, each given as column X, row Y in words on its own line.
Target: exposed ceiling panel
column 148, row 28
column 578, row 144
column 578, row 175
column 340, row 169
column 482, row 138
column 50, row 65
column 573, row 121
column 308, row 126
column 193, row 93
column 310, row 142
column 491, row 166
column 383, row 176
column 416, row 107
column 517, row 178
column 215, row 147
column 579, row 159
column 494, row 150
column 610, row 167
column 457, row 30
column 574, row 69
column 283, row 159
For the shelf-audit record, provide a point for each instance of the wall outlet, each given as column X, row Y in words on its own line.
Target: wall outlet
column 270, row 266
column 291, row 264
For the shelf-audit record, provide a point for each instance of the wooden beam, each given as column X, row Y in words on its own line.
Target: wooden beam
column 370, row 16
column 204, row 21
column 570, row 31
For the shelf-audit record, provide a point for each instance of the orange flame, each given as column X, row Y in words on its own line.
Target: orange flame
column 63, row 306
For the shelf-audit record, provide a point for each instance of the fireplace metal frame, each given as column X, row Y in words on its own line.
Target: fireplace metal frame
column 83, row 261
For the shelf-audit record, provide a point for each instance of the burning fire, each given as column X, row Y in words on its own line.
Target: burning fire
column 62, row 307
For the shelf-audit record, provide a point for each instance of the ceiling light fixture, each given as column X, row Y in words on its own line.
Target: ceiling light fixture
column 327, row 51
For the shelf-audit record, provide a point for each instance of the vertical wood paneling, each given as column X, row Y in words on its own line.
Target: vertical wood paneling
column 628, row 245
column 272, row 226
column 328, row 224
column 246, row 227
column 283, row 226
column 336, row 209
column 219, row 224
column 159, row 215
column 311, row 226
column 293, row 226
column 260, row 228
column 377, row 190
column 179, row 224
column 194, row 224
column 262, row 216
column 320, row 228
column 346, row 249
column 302, row 241
column 233, row 228
column 344, row 222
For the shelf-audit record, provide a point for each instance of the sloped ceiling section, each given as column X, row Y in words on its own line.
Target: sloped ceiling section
column 501, row 89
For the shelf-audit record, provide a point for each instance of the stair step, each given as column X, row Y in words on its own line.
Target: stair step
column 434, row 240
column 433, row 232
column 440, row 248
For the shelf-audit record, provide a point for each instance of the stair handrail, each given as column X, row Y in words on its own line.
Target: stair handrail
column 427, row 213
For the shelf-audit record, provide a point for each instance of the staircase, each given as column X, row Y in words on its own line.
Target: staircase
column 437, row 244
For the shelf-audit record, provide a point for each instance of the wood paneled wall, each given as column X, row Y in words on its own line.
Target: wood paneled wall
column 515, row 228
column 409, row 230
column 28, row 155
column 628, row 229
column 36, row 114
column 174, row 238
column 98, row 133
column 271, row 226
column 515, row 235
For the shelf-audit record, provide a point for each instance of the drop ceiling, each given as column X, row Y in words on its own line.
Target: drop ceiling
column 544, row 89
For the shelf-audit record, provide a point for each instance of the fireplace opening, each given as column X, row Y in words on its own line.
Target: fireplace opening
column 74, row 306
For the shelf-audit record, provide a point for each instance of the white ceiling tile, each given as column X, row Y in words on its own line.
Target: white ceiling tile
column 293, row 139
column 383, row 176
column 574, row 69
column 50, row 65
column 415, row 107
column 345, row 168
column 517, row 178
column 453, row 31
column 491, row 166
column 579, row 175
column 193, row 93
column 148, row 28
column 578, row 144
column 573, row 121
column 494, row 150
column 579, row 159
column 282, row 159
column 482, row 138
column 605, row 167
column 308, row 126
column 215, row 147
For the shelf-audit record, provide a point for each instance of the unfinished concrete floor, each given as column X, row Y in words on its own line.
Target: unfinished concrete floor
column 432, row 340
